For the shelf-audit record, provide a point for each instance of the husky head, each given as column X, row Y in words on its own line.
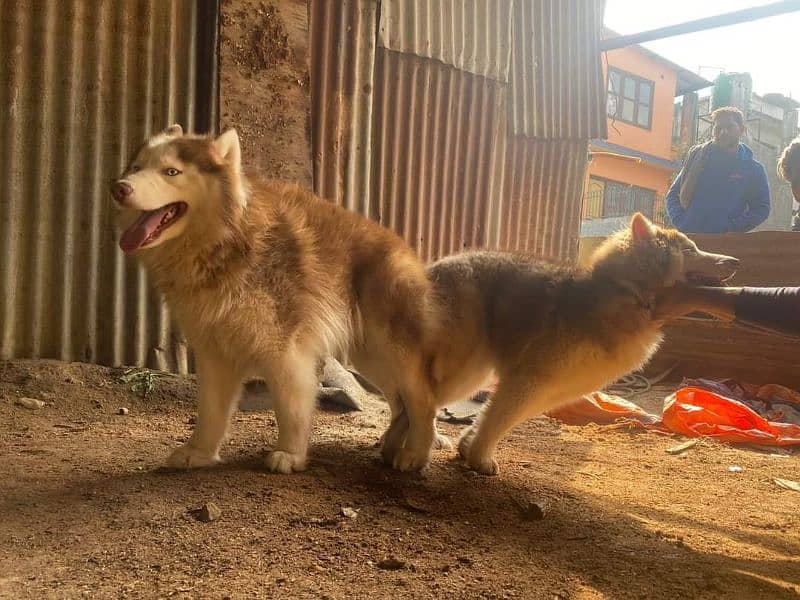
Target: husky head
column 175, row 180
column 651, row 257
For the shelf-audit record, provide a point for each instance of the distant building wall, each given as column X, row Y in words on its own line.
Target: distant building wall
column 629, row 171
column 658, row 139
column 603, row 227
column 644, row 152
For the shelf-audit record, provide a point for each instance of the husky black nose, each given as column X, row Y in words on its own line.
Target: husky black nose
column 121, row 190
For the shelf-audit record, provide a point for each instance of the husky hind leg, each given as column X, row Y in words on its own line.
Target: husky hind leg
column 421, row 409
column 440, row 440
column 395, row 435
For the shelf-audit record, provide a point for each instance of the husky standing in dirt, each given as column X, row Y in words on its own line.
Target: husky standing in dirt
column 266, row 280
column 552, row 334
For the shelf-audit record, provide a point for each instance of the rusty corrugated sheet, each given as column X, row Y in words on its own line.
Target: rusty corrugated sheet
column 557, row 88
column 471, row 35
column 342, row 58
column 541, row 199
column 82, row 82
column 435, row 135
column 442, row 151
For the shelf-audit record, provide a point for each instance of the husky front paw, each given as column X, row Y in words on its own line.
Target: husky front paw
column 406, row 460
column 484, row 466
column 189, row 457
column 279, row 461
column 442, row 442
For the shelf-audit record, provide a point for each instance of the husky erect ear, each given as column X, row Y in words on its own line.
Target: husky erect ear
column 227, row 144
column 174, row 130
column 642, row 230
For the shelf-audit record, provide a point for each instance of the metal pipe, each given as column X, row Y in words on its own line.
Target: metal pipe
column 723, row 20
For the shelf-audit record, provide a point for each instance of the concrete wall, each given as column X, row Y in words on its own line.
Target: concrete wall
column 656, row 141
column 602, row 227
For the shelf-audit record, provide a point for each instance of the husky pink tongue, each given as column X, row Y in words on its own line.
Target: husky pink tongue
column 135, row 235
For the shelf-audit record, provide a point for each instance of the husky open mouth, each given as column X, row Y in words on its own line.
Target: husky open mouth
column 706, row 279
column 150, row 225
column 708, row 268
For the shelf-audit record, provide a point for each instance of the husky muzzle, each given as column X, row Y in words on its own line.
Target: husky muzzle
column 707, row 268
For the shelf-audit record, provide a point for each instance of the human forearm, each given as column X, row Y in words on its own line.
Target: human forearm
column 774, row 309
column 680, row 300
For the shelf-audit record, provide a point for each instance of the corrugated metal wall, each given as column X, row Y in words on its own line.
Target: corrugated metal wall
column 439, row 119
column 556, row 79
column 342, row 66
column 471, row 35
column 434, row 131
column 467, row 125
column 82, row 83
column 539, row 208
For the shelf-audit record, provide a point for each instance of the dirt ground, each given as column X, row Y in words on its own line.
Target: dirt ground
column 85, row 509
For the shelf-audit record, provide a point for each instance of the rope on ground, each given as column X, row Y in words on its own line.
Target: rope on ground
column 636, row 383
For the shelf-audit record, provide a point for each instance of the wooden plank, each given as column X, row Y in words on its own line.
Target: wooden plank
column 703, row 349
column 718, row 350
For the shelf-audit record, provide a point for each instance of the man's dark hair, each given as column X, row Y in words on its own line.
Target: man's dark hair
column 731, row 111
column 789, row 162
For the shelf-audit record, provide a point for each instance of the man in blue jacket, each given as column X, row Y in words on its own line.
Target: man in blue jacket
column 721, row 188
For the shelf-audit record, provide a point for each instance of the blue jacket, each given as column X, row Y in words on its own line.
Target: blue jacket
column 731, row 193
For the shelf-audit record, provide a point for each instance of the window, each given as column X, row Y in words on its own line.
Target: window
column 630, row 98
column 677, row 120
column 606, row 198
column 593, row 202
column 621, row 200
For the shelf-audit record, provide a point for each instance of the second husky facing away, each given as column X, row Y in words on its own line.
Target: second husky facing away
column 265, row 280
column 553, row 334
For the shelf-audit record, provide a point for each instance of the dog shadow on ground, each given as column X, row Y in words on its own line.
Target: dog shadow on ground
column 487, row 519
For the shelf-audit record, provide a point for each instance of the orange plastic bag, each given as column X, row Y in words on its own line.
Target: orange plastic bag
column 601, row 408
column 697, row 412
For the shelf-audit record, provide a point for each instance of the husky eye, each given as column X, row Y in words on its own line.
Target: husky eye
column 172, row 172
column 135, row 168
